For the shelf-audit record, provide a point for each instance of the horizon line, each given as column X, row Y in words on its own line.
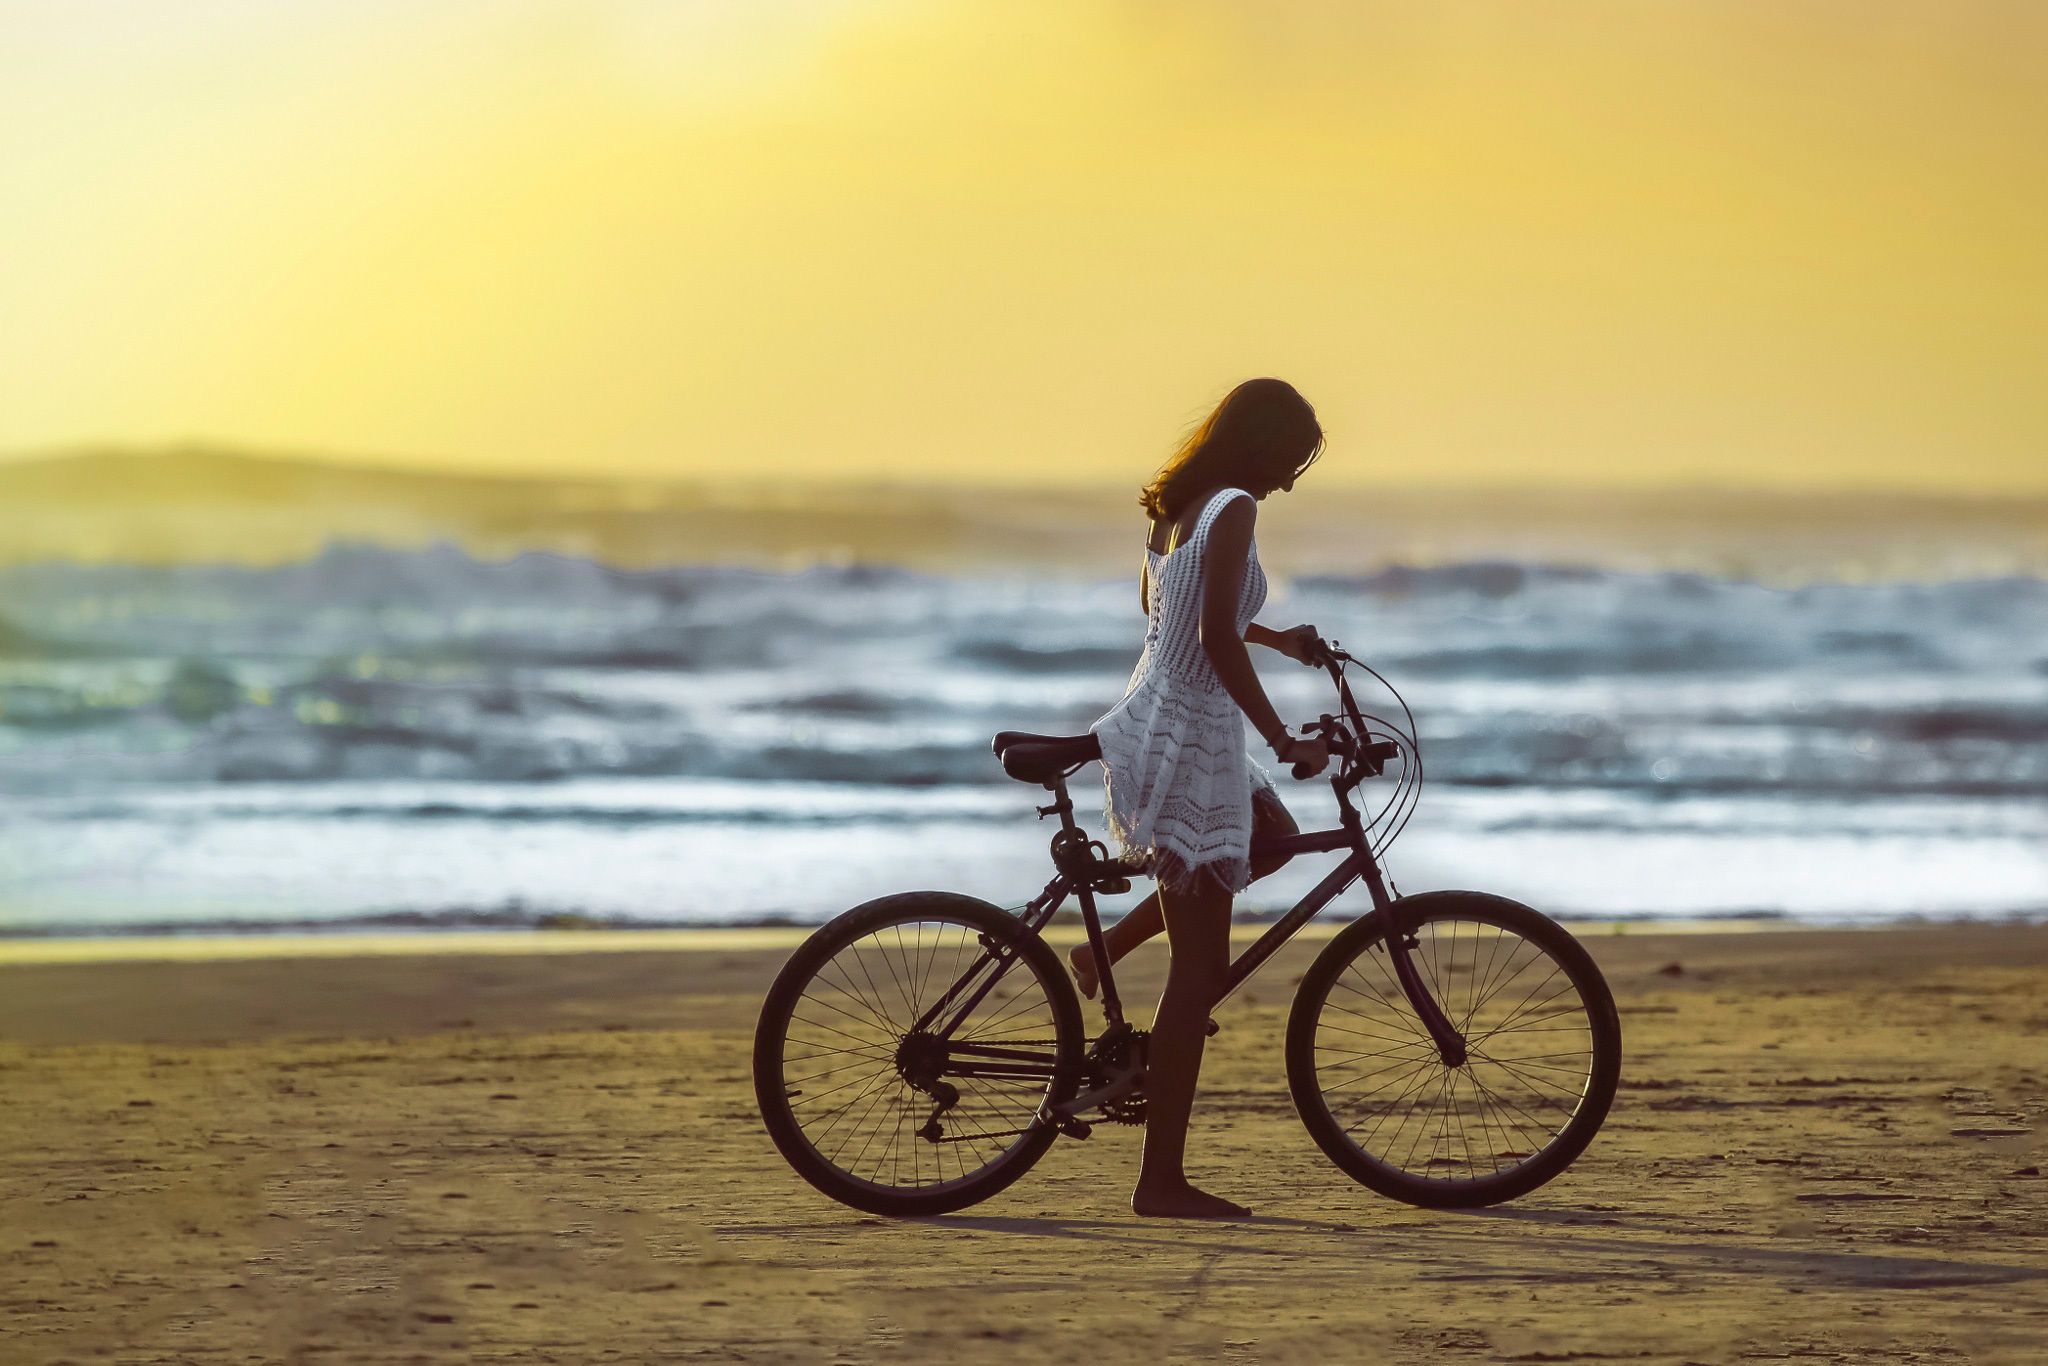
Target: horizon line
column 344, row 461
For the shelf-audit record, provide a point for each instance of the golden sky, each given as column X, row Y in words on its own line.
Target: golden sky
column 1781, row 241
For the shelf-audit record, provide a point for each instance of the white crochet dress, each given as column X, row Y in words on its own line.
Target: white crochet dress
column 1175, row 769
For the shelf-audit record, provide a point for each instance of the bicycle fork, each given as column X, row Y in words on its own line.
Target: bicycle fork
column 1400, row 938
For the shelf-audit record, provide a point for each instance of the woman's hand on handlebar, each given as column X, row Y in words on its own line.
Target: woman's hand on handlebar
column 1309, row 755
column 1302, row 644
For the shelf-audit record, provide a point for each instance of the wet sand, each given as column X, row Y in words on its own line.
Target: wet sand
column 1827, row 1146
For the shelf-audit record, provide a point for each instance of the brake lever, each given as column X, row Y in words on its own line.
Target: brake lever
column 1326, row 727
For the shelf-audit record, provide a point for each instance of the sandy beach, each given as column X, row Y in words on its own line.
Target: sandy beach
column 1827, row 1145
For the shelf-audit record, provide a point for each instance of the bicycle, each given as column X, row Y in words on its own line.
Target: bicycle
column 1450, row 1049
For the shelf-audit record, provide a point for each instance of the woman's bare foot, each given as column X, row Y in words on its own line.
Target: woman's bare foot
column 1082, row 960
column 1183, row 1201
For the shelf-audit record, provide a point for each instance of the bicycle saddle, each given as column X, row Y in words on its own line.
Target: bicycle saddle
column 1042, row 758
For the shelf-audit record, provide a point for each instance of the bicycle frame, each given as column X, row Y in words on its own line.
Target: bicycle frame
column 1081, row 873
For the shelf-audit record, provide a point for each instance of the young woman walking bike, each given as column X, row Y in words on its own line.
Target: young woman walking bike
column 1183, row 793
column 1454, row 1049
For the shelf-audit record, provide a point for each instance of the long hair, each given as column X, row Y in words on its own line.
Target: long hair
column 1261, row 435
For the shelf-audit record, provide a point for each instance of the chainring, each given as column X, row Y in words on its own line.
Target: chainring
column 1129, row 1110
column 1112, row 1053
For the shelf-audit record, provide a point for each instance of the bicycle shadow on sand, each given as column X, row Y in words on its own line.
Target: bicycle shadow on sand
column 1876, row 1269
column 1476, row 1232
column 1131, row 1232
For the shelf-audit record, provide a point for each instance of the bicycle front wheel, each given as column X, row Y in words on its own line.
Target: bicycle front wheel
column 890, row 1080
column 1543, row 1042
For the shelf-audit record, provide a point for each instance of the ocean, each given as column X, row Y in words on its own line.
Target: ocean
column 426, row 738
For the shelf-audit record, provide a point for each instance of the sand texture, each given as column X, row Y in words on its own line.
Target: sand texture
column 1827, row 1146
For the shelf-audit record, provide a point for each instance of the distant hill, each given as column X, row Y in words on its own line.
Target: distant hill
column 198, row 504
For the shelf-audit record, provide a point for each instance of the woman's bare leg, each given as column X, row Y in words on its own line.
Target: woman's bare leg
column 1198, row 927
column 1141, row 923
column 1269, row 817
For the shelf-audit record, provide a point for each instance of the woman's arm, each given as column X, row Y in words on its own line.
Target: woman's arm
column 1298, row 643
column 1256, row 634
column 1230, row 538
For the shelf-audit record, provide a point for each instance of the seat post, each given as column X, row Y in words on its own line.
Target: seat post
column 1063, row 807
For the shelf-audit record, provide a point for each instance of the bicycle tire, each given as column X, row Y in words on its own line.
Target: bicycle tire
column 772, row 1085
column 1551, row 941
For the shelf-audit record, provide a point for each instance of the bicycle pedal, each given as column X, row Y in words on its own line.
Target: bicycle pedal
column 1076, row 1128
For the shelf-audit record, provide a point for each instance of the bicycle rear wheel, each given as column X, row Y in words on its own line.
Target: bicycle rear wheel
column 1544, row 1053
column 891, row 1118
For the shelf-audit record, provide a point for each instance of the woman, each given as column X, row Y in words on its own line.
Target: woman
column 1182, row 791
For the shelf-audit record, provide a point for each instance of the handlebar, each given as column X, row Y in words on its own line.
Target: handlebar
column 1364, row 742
column 1365, row 760
column 1334, row 736
column 1371, row 758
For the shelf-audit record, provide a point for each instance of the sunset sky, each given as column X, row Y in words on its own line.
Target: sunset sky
column 1799, row 242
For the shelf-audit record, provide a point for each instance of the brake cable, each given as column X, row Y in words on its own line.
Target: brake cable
column 1407, row 794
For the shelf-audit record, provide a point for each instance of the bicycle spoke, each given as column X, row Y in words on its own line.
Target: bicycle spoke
column 871, row 1004
column 1416, row 1088
column 1506, row 1121
column 1537, row 1024
column 855, row 1131
column 1384, row 1084
column 1464, row 1140
column 865, row 1082
column 794, row 1082
column 1479, row 976
column 873, row 1095
column 1486, row 1135
column 1586, row 1053
column 930, row 960
column 1504, row 1102
column 849, row 1016
column 1498, row 974
column 1368, row 1034
column 851, row 1032
column 863, row 1044
column 1381, row 1071
column 1422, row 1128
column 1004, row 1012
column 1535, row 1088
column 894, row 978
column 1496, row 988
column 1529, row 1005
column 1347, row 1056
column 1412, row 1082
column 1542, row 1066
column 1397, row 1006
column 1531, row 994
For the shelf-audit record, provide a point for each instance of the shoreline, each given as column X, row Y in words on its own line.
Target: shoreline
column 203, row 946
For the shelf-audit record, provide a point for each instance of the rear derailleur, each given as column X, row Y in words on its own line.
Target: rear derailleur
column 919, row 1060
